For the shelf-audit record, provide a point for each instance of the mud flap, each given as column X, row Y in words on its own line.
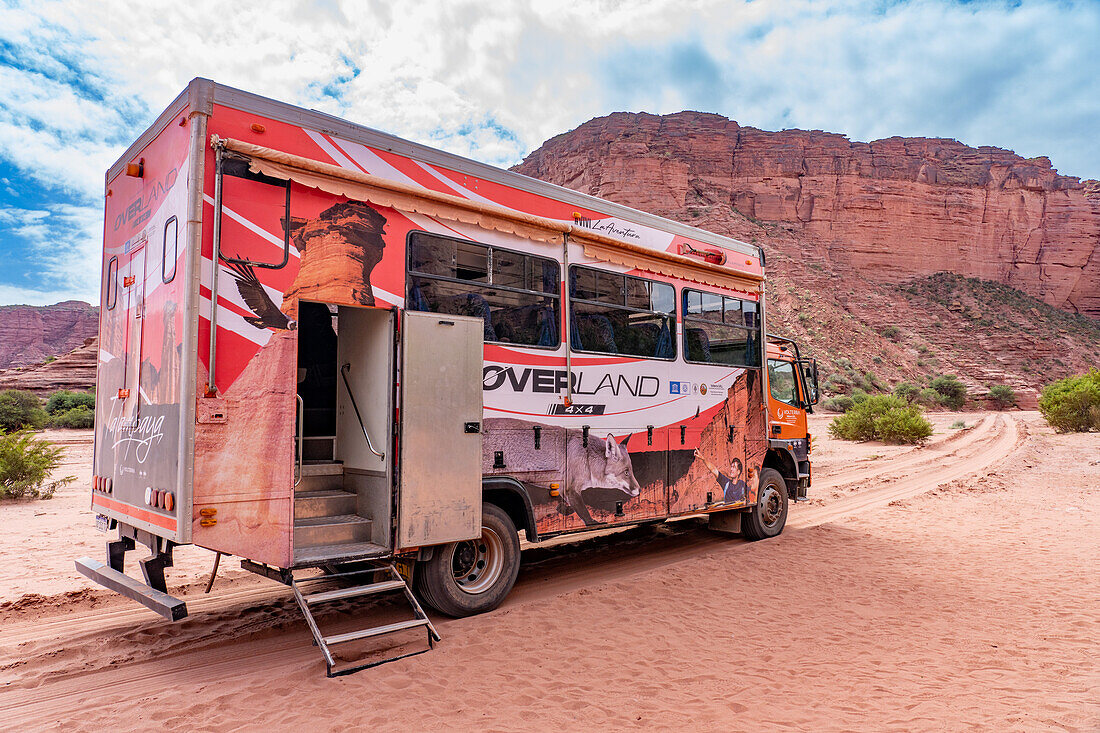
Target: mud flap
column 729, row 521
column 167, row 606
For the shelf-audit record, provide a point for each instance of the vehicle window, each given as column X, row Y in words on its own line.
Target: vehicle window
column 265, row 203
column 170, row 250
column 719, row 329
column 516, row 294
column 611, row 313
column 781, row 381
column 110, row 286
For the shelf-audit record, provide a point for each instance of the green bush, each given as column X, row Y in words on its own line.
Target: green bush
column 891, row 332
column 1002, row 397
column 1072, row 405
column 19, row 409
column 78, row 417
column 907, row 391
column 929, row 397
column 958, row 425
column 25, row 467
column 951, row 389
column 64, row 400
column 882, row 417
column 840, row 403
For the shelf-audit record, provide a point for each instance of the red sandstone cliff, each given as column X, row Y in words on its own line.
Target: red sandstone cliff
column 891, row 209
column 30, row 334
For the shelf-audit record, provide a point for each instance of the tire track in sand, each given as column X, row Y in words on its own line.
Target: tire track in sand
column 46, row 700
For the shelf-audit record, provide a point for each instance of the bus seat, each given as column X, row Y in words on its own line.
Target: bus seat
column 698, row 344
column 596, row 333
column 526, row 324
column 469, row 304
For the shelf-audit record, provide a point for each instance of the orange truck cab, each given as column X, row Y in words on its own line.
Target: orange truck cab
column 792, row 393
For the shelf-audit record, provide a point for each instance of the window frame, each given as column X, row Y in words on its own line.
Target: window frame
column 671, row 314
column 685, row 318
column 796, row 387
column 258, row 178
column 165, row 278
column 112, row 283
column 410, row 273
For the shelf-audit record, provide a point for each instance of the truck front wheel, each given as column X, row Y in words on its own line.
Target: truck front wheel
column 770, row 513
column 465, row 578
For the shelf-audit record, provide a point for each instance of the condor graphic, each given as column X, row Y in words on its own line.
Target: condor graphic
column 554, row 381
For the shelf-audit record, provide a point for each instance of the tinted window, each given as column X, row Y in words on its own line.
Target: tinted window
column 781, row 381
column 516, row 294
column 612, row 313
column 170, row 250
column 719, row 329
column 111, row 283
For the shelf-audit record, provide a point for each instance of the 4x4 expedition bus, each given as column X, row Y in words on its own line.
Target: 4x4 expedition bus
column 326, row 347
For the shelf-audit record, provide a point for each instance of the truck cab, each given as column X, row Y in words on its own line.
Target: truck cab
column 792, row 393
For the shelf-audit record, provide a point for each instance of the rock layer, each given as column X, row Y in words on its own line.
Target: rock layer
column 891, row 209
column 30, row 334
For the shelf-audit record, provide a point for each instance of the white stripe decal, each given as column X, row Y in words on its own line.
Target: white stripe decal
column 277, row 241
column 460, row 190
column 333, row 151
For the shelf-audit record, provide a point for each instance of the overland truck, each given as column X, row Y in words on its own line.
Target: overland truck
column 324, row 347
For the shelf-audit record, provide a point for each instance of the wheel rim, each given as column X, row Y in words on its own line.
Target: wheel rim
column 478, row 564
column 771, row 507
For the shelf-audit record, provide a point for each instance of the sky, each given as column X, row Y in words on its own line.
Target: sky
column 81, row 79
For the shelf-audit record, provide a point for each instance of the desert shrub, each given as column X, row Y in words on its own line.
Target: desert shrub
column 891, row 332
column 951, row 389
column 78, row 417
column 907, row 391
column 958, row 425
column 1072, row 405
column 1002, row 397
column 25, row 467
column 64, row 400
column 19, row 409
column 906, row 425
column 840, row 403
column 929, row 397
column 882, row 417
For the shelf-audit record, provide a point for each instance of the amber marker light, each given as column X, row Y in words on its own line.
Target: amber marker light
column 257, row 128
column 555, row 489
column 136, row 170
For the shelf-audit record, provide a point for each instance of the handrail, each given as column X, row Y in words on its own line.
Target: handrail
column 343, row 375
column 301, row 436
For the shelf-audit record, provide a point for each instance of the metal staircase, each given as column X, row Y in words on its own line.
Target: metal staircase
column 395, row 583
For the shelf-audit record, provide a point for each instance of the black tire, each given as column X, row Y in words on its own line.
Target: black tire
column 769, row 515
column 452, row 581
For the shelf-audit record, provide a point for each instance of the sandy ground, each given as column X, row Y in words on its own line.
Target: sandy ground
column 949, row 587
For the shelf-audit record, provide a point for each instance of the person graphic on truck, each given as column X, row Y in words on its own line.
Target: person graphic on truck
column 734, row 489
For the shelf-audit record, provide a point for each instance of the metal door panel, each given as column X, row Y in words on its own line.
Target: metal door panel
column 439, row 496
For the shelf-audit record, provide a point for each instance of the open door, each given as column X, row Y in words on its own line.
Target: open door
column 439, row 495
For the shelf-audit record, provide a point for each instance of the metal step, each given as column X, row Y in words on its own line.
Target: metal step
column 332, row 530
column 354, row 591
column 323, row 503
column 396, row 583
column 376, row 631
column 305, row 557
column 321, row 475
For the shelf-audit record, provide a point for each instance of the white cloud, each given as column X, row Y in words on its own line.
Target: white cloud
column 492, row 81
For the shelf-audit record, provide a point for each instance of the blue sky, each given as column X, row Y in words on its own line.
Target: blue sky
column 79, row 79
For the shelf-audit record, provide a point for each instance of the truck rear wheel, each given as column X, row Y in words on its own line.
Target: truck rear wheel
column 465, row 578
column 770, row 513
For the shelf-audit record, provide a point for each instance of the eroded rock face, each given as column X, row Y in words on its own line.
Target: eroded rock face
column 30, row 334
column 72, row 371
column 892, row 209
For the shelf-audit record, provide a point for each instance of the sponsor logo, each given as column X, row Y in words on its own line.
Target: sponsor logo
column 139, row 435
column 138, row 211
column 787, row 415
column 611, row 228
column 555, row 381
column 702, row 389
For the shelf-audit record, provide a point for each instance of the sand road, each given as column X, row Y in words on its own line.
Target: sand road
column 939, row 588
